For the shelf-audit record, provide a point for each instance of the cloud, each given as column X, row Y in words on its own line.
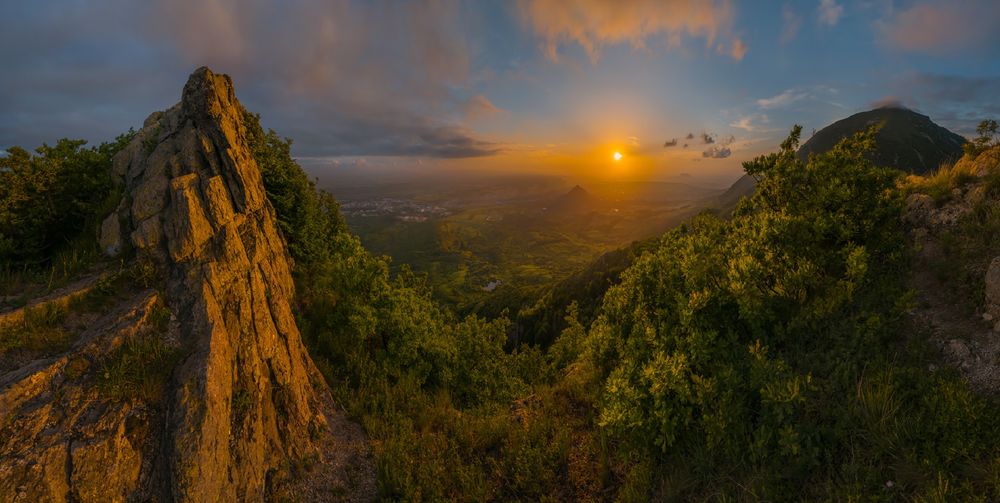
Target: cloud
column 593, row 24
column 888, row 102
column 717, row 153
column 336, row 76
column 633, row 141
column 945, row 28
column 707, row 139
column 479, row 106
column 782, row 100
column 670, row 143
column 830, row 12
column 690, row 136
column 791, row 96
column 791, row 22
column 956, row 102
column 748, row 124
column 736, row 51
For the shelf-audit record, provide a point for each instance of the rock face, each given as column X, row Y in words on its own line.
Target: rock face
column 246, row 412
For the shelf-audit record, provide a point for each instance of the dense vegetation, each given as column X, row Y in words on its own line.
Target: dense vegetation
column 752, row 358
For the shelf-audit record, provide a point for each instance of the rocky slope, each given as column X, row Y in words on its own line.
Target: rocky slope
column 245, row 415
column 956, row 273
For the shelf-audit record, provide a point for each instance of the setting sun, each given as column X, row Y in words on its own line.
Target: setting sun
column 617, row 156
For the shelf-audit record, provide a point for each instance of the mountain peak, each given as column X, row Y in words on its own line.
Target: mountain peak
column 907, row 140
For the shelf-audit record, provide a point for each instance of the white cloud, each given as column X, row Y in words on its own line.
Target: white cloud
column 830, row 12
column 782, row 100
column 750, row 123
column 790, row 96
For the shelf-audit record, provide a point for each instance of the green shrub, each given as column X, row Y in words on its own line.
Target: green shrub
column 53, row 196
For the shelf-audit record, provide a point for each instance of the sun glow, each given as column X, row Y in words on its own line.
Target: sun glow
column 617, row 156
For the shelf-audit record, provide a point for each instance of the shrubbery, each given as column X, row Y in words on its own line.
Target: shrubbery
column 50, row 198
column 761, row 354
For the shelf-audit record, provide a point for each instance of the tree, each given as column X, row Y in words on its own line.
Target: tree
column 51, row 197
column 987, row 137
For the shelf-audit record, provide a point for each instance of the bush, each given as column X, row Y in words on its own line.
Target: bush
column 50, row 197
column 736, row 348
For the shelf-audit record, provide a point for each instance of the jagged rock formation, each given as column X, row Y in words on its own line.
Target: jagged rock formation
column 246, row 414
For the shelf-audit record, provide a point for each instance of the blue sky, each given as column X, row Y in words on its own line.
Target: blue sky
column 532, row 85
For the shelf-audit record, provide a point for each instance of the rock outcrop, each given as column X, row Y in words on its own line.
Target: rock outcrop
column 246, row 413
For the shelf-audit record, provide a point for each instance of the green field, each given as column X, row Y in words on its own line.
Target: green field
column 525, row 241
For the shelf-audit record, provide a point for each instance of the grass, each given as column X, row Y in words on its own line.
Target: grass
column 140, row 368
column 541, row 447
column 40, row 330
column 940, row 184
column 43, row 328
column 27, row 281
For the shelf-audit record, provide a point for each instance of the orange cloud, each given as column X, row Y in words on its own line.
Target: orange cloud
column 480, row 106
column 595, row 23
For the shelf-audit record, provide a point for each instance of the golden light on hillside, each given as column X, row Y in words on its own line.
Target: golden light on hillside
column 617, row 156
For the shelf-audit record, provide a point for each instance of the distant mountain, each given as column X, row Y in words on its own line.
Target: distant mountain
column 577, row 200
column 908, row 141
column 742, row 187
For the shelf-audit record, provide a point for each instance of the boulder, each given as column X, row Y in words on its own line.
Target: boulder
column 110, row 239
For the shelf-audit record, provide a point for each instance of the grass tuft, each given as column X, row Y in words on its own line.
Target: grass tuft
column 140, row 368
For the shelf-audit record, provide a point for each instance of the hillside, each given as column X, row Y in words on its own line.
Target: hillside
column 906, row 140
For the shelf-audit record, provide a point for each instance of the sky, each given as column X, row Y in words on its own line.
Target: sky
column 548, row 86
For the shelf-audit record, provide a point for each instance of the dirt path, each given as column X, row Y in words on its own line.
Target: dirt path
column 966, row 341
